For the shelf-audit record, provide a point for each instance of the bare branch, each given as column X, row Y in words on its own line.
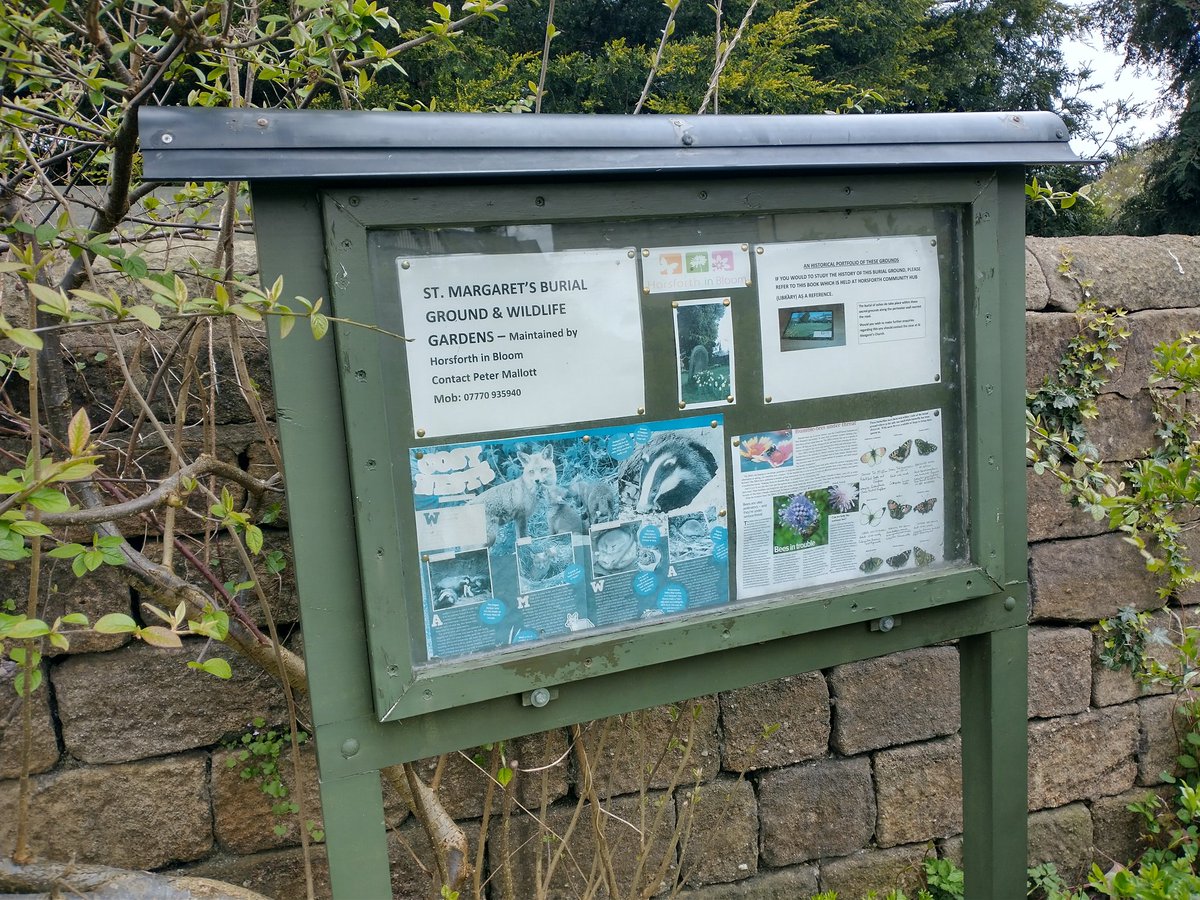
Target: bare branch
column 204, row 465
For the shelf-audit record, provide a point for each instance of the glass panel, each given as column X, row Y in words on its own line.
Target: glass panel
column 622, row 421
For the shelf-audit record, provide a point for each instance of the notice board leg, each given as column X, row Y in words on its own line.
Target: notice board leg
column 995, row 753
column 356, row 837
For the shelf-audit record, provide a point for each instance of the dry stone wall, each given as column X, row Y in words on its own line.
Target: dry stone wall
column 859, row 780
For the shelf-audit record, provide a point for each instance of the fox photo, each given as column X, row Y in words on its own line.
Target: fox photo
column 535, row 524
column 704, row 344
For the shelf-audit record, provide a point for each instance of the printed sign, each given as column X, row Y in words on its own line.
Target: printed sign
column 699, row 268
column 847, row 316
column 838, row 502
column 524, row 539
column 521, row 339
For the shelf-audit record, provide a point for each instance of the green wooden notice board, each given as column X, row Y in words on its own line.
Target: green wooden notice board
column 625, row 410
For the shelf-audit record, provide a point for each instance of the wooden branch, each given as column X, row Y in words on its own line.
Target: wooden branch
column 204, row 465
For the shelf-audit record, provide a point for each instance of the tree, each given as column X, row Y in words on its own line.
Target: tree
column 1164, row 35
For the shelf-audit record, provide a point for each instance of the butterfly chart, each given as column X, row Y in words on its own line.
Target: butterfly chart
column 847, row 316
column 838, row 502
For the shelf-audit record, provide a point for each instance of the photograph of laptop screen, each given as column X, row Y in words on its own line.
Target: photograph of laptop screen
column 809, row 325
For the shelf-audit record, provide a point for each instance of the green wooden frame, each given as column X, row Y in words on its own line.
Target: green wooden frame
column 374, row 706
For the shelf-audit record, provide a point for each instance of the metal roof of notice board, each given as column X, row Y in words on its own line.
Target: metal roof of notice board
column 183, row 144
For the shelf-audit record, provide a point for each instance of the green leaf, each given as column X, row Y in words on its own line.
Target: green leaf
column 75, row 619
column 78, row 432
column 319, row 324
column 29, row 528
column 215, row 666
column 254, row 539
column 147, row 315
column 29, row 628
column 24, row 337
column 158, row 636
column 504, row 775
column 35, row 681
column 114, row 623
column 286, row 323
column 49, row 500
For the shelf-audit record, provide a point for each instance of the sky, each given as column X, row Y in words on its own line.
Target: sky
column 1116, row 83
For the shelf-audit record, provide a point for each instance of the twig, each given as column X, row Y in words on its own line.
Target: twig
column 668, row 29
column 724, row 58
column 541, row 87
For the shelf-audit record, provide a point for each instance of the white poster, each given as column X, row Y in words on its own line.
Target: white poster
column 522, row 340
column 838, row 502
column 703, row 267
column 847, row 316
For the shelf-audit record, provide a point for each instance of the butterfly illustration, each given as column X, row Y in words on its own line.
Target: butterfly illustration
column 900, row 454
column 898, row 511
column 870, row 516
column 870, row 565
column 899, row 560
column 925, row 505
column 923, row 557
column 924, row 447
column 873, row 456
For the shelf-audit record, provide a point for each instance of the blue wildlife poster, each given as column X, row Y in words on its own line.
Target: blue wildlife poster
column 534, row 537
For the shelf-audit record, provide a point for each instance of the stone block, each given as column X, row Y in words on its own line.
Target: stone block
column 1037, row 290
column 44, row 747
column 280, row 873
column 1065, row 293
column 1062, row 836
column 638, row 834
column 142, row 815
column 243, row 820
column 1047, row 335
column 918, row 789
column 1158, row 741
column 722, row 831
column 1133, row 272
column 627, row 752
column 1086, row 579
column 1118, row 833
column 798, row 806
column 97, row 593
column 1147, row 330
column 1051, row 514
column 875, row 870
column 798, row 708
column 1124, row 427
column 1060, row 677
column 464, row 782
column 141, row 701
column 1113, row 686
column 896, row 699
column 793, row 883
column 1081, row 757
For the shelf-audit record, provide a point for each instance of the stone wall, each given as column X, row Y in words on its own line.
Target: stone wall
column 852, row 789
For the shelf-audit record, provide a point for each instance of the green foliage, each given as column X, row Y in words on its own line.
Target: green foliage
column 257, row 758
column 1148, row 503
column 1059, row 410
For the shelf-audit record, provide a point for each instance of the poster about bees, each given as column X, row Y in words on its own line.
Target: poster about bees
column 528, row 538
column 838, row 502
